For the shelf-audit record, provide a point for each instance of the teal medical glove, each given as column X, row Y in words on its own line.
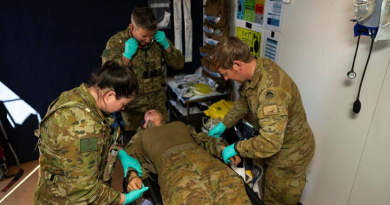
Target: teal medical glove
column 228, row 152
column 135, row 194
column 129, row 162
column 217, row 130
column 131, row 47
column 160, row 38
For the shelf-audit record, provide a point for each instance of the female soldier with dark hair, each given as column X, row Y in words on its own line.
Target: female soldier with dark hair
column 74, row 141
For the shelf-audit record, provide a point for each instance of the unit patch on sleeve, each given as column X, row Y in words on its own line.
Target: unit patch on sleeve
column 88, row 144
column 270, row 110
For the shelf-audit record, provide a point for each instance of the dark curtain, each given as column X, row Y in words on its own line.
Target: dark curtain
column 47, row 47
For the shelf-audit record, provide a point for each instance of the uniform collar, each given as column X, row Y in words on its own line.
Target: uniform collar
column 257, row 74
column 150, row 124
column 90, row 100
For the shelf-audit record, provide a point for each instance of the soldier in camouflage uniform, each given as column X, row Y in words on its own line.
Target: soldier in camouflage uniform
column 187, row 173
column 285, row 139
column 146, row 51
column 74, row 141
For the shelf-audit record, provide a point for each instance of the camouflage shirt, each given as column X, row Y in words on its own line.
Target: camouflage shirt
column 74, row 144
column 148, row 146
column 274, row 100
column 148, row 64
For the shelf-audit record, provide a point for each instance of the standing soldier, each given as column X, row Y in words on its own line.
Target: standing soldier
column 145, row 50
column 285, row 139
column 75, row 142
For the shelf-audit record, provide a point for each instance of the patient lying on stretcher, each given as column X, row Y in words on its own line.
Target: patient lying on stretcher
column 186, row 164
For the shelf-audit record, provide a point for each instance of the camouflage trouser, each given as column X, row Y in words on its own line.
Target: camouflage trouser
column 135, row 110
column 281, row 187
column 192, row 176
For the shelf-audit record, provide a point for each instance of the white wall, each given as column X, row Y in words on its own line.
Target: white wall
column 351, row 165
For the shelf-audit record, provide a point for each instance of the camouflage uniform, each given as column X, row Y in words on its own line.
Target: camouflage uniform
column 285, row 139
column 149, row 67
column 74, row 144
column 187, row 174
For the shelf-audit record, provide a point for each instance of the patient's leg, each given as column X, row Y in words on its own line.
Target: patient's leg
column 227, row 185
column 181, row 183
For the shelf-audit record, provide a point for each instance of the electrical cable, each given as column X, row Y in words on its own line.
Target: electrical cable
column 357, row 105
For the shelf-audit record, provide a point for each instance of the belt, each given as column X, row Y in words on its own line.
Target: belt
column 172, row 150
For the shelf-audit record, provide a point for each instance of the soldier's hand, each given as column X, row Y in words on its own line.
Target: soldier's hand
column 228, row 152
column 134, row 195
column 129, row 162
column 160, row 38
column 131, row 47
column 217, row 130
column 235, row 160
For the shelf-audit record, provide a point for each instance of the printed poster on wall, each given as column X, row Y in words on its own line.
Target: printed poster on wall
column 251, row 38
column 249, row 11
column 274, row 15
column 259, row 12
column 271, row 47
column 240, row 9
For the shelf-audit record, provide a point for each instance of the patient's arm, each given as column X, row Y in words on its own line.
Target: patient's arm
column 235, row 160
column 134, row 182
column 211, row 144
column 133, row 148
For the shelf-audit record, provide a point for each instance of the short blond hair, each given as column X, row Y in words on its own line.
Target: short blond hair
column 228, row 50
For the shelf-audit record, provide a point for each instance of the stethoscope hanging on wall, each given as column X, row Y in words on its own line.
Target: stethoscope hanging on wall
column 351, row 74
column 367, row 14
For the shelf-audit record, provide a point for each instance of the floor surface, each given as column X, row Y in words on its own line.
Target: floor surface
column 21, row 193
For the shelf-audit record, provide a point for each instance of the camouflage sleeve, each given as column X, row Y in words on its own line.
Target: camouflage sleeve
column 133, row 148
column 211, row 144
column 273, row 118
column 238, row 111
column 81, row 155
column 114, row 49
column 174, row 58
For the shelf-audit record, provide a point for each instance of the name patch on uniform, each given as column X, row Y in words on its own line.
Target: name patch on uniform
column 270, row 110
column 88, row 144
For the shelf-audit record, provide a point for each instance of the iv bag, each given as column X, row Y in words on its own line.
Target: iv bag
column 384, row 25
column 363, row 9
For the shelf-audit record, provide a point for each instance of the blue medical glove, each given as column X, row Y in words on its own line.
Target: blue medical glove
column 160, row 38
column 131, row 47
column 129, row 162
column 228, row 152
column 217, row 130
column 135, row 194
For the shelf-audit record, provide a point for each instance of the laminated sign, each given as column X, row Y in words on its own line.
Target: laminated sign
column 251, row 38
